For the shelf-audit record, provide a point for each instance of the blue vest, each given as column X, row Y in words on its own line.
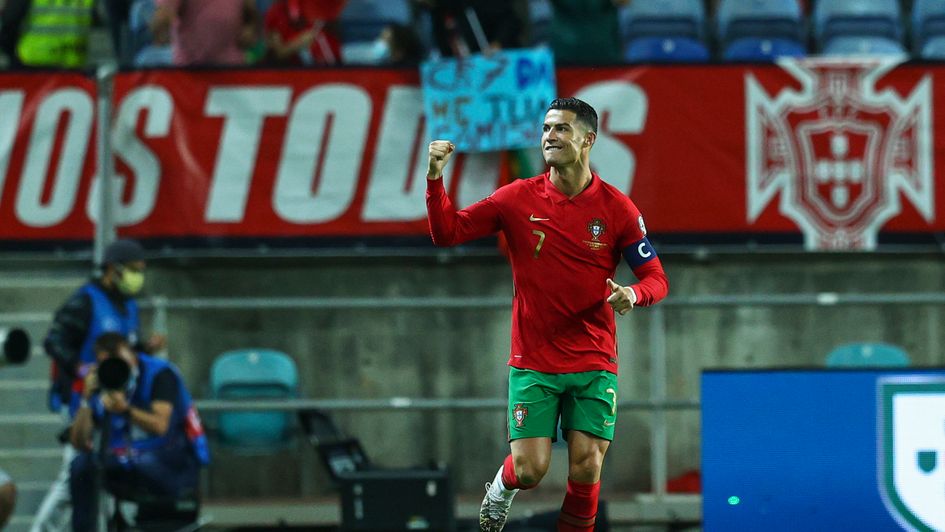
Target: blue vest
column 105, row 318
column 184, row 431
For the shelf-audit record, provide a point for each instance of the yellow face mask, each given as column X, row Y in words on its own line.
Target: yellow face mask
column 130, row 282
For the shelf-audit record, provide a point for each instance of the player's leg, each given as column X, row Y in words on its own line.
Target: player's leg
column 532, row 421
column 588, row 414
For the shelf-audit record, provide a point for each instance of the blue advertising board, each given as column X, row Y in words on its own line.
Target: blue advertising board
column 823, row 450
column 489, row 102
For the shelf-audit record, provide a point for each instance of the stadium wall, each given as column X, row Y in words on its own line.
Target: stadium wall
column 451, row 353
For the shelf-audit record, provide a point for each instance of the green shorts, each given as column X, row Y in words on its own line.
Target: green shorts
column 585, row 401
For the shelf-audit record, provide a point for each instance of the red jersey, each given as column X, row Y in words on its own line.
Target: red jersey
column 562, row 251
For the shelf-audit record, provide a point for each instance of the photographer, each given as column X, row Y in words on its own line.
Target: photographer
column 104, row 304
column 155, row 442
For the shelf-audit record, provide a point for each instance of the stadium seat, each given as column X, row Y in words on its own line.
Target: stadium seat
column 863, row 46
column 771, row 19
column 762, row 50
column 154, row 56
column 139, row 19
column 928, row 21
column 363, row 20
column 663, row 18
column 867, row 355
column 872, row 18
column 666, row 50
column 262, row 7
column 249, row 374
column 540, row 14
column 934, row 49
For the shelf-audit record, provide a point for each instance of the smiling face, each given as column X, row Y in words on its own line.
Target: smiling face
column 564, row 138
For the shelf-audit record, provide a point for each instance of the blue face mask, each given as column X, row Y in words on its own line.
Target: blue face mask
column 380, row 52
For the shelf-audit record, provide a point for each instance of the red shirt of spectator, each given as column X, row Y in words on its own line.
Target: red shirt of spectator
column 301, row 21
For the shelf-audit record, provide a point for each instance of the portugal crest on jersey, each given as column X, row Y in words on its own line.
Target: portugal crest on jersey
column 596, row 228
column 520, row 412
column 838, row 150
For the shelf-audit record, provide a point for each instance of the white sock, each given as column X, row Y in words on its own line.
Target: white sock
column 498, row 491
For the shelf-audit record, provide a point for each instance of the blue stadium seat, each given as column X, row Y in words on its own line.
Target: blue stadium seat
column 139, row 19
column 928, row 21
column 867, row 355
column 666, row 50
column 771, row 19
column 540, row 14
column 154, row 56
column 248, row 374
column 262, row 7
column 934, row 49
column 873, row 18
column 663, row 18
column 363, row 20
column 863, row 46
column 762, row 50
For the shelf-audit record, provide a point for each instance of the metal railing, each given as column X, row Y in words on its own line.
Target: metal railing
column 658, row 403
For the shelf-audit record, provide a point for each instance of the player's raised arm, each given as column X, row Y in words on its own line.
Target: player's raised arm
column 440, row 153
column 447, row 226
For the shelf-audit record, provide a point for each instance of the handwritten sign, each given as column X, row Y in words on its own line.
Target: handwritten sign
column 487, row 103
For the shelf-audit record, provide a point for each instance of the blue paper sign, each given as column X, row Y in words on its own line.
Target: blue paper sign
column 486, row 103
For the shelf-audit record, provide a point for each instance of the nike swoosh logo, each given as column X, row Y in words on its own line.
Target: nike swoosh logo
column 532, row 218
column 608, row 423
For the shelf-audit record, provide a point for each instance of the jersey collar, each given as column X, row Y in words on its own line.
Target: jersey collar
column 560, row 197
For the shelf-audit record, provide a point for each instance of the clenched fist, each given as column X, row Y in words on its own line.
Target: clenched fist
column 622, row 298
column 440, row 153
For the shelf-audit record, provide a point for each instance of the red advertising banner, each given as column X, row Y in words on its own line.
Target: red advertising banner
column 835, row 151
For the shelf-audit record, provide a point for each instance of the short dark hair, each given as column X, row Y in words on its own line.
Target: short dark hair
column 110, row 343
column 585, row 113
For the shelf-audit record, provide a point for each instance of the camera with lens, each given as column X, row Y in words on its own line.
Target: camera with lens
column 16, row 346
column 113, row 374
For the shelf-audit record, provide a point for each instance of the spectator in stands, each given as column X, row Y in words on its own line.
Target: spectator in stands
column 104, row 304
column 206, row 32
column 7, row 498
column 398, row 46
column 46, row 33
column 303, row 32
column 464, row 26
column 156, row 444
column 586, row 31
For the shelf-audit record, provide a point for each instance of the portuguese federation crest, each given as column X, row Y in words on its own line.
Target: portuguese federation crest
column 838, row 150
column 519, row 412
column 596, row 228
column 911, row 458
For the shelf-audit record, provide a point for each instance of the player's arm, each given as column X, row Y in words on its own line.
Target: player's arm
column 652, row 285
column 450, row 227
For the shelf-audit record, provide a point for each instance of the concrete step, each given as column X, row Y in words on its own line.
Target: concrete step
column 23, row 396
column 19, row 523
column 44, row 292
column 29, row 431
column 32, row 465
column 29, row 495
column 36, row 368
